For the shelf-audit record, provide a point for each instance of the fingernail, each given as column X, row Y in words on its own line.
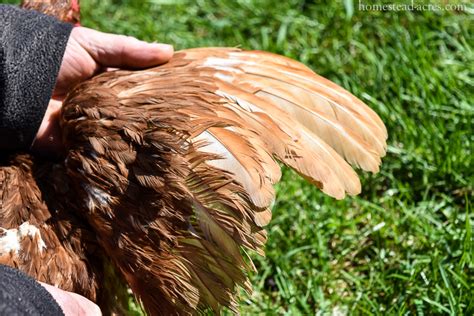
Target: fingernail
column 162, row 46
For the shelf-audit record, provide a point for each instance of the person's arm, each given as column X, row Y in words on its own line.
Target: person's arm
column 31, row 49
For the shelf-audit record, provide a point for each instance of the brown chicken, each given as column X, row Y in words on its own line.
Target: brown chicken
column 169, row 175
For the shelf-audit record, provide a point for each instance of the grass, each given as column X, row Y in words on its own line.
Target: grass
column 405, row 245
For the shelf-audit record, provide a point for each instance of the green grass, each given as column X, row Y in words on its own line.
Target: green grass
column 405, row 245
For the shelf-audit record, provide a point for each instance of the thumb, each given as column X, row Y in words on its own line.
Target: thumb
column 110, row 50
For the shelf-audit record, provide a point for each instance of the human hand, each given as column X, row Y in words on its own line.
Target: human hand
column 89, row 52
column 72, row 303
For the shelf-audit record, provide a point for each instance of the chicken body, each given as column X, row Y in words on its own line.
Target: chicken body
column 170, row 172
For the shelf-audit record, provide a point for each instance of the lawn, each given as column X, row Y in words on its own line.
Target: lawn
column 405, row 245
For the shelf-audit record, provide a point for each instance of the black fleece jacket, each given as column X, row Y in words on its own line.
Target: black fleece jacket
column 21, row 295
column 31, row 50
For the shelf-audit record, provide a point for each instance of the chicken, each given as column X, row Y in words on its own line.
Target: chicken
column 169, row 173
column 64, row 10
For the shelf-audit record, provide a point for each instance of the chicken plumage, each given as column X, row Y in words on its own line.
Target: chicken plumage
column 41, row 235
column 170, row 172
column 64, row 10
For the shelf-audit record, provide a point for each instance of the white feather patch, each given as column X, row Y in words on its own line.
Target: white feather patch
column 10, row 240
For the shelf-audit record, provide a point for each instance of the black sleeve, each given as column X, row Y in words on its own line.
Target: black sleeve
column 22, row 295
column 31, row 50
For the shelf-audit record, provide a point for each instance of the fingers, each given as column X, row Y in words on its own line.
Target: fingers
column 110, row 50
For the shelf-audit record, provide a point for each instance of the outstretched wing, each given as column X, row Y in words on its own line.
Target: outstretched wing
column 176, row 164
column 307, row 122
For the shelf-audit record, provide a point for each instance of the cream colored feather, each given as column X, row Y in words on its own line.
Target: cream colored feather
column 306, row 121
